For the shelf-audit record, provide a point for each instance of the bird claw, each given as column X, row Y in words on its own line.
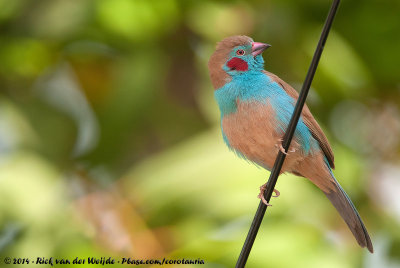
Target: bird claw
column 280, row 147
column 261, row 194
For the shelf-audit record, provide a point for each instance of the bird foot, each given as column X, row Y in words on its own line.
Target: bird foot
column 280, row 147
column 261, row 194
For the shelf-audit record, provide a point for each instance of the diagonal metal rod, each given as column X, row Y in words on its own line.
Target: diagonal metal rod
column 255, row 225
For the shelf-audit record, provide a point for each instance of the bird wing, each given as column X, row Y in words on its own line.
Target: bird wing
column 308, row 119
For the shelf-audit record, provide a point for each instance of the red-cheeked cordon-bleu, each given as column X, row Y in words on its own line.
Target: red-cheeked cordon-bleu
column 256, row 107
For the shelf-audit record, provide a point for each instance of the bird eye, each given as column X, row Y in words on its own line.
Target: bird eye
column 240, row 52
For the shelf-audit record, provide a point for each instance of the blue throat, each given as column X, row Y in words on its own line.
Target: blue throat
column 246, row 86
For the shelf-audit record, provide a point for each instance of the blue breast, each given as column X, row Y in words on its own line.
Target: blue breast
column 257, row 86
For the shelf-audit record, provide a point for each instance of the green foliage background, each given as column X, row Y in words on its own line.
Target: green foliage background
column 110, row 141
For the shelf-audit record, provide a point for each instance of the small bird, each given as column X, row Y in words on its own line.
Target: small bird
column 256, row 107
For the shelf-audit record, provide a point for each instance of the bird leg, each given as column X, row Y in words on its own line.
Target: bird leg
column 280, row 147
column 261, row 194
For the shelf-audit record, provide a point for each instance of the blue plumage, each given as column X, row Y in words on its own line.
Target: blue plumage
column 255, row 86
column 256, row 107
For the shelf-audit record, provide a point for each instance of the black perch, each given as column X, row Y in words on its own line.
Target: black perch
column 255, row 225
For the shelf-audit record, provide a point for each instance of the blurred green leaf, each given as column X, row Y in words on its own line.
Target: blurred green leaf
column 137, row 19
column 124, row 85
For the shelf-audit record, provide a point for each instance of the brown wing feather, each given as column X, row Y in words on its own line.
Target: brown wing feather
column 308, row 119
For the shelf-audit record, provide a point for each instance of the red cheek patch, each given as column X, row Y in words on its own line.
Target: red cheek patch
column 237, row 64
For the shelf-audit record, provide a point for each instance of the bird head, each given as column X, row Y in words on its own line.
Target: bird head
column 233, row 56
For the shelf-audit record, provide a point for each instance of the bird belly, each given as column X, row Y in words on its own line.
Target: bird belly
column 252, row 132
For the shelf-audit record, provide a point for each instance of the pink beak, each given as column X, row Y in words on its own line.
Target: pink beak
column 257, row 48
